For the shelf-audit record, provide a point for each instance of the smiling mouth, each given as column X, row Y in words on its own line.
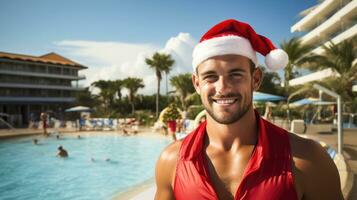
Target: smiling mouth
column 224, row 101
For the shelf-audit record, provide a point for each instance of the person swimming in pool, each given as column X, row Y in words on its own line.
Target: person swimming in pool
column 35, row 141
column 62, row 152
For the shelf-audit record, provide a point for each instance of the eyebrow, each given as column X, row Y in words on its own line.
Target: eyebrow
column 209, row 72
column 237, row 70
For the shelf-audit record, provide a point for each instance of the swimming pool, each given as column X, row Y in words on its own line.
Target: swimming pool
column 29, row 171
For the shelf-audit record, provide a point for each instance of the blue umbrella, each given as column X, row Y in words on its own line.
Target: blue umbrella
column 308, row 101
column 260, row 96
column 302, row 102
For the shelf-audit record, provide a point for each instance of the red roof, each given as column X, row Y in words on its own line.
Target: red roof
column 51, row 58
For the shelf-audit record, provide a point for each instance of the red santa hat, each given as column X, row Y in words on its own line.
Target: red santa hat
column 238, row 38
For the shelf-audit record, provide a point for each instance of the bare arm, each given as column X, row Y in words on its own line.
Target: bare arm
column 165, row 172
column 317, row 173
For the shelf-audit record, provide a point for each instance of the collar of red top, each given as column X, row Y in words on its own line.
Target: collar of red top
column 193, row 145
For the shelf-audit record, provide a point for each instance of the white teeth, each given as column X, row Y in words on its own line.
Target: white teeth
column 225, row 101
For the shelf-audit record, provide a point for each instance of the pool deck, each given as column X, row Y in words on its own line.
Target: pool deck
column 8, row 133
column 350, row 154
column 147, row 190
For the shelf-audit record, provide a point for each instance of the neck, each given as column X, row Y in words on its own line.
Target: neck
column 229, row 137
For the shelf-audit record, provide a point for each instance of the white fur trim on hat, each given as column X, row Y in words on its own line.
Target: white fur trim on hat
column 223, row 46
column 276, row 59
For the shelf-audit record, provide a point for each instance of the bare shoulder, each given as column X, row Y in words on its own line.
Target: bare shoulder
column 315, row 173
column 166, row 165
column 306, row 149
column 309, row 155
column 165, row 171
column 169, row 155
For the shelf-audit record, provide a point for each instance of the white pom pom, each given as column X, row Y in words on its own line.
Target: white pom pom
column 276, row 59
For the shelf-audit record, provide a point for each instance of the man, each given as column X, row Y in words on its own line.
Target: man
column 236, row 154
column 62, row 152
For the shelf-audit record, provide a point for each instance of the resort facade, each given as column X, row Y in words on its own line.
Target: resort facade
column 30, row 85
column 330, row 20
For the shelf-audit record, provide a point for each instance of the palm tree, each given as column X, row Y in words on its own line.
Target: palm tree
column 107, row 92
column 342, row 59
column 298, row 55
column 85, row 98
column 133, row 84
column 270, row 83
column 160, row 63
column 184, row 87
column 119, row 84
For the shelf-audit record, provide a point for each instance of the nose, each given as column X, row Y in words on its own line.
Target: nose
column 222, row 85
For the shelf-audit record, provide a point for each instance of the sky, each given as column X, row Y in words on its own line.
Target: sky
column 113, row 37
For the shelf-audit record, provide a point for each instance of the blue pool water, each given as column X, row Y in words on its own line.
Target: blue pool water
column 29, row 171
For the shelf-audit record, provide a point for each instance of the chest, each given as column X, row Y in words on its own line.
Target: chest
column 226, row 171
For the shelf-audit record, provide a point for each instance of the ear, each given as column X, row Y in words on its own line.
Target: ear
column 257, row 78
column 195, row 82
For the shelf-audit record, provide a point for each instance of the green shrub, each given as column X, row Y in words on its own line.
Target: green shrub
column 145, row 117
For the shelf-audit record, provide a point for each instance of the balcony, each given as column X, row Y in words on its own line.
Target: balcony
column 348, row 12
column 37, row 86
column 314, row 16
column 45, row 75
column 316, row 76
column 349, row 33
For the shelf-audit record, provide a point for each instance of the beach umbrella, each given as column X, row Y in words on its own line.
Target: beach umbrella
column 310, row 101
column 79, row 109
column 260, row 96
column 302, row 102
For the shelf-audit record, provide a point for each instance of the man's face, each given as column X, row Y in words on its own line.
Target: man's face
column 226, row 85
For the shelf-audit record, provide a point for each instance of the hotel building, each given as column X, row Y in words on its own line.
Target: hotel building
column 329, row 20
column 333, row 20
column 30, row 85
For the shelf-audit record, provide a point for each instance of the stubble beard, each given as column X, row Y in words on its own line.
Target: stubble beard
column 233, row 117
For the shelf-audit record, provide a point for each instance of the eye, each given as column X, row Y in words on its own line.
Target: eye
column 210, row 78
column 236, row 75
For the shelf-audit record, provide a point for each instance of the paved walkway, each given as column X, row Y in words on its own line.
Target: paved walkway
column 350, row 151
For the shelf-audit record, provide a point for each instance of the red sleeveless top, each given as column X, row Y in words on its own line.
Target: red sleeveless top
column 267, row 175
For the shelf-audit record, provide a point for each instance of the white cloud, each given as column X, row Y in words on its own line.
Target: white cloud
column 118, row 60
column 181, row 48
